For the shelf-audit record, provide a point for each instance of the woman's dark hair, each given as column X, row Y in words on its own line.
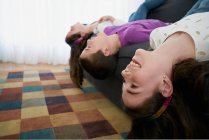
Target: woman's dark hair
column 71, row 40
column 187, row 114
column 76, row 71
column 98, row 65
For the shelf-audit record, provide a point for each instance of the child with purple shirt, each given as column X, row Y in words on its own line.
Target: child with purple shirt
column 134, row 32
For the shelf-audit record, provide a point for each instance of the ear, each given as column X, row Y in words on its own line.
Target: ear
column 166, row 86
column 106, row 52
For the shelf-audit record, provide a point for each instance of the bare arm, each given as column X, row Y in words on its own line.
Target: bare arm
column 106, row 18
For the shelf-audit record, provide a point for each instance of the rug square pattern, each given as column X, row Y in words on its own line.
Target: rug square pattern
column 75, row 131
column 59, row 108
column 31, row 124
column 99, row 128
column 47, row 105
column 63, row 119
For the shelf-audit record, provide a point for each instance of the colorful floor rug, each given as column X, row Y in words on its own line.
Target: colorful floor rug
column 47, row 105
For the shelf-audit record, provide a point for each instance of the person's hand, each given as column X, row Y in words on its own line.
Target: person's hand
column 106, row 18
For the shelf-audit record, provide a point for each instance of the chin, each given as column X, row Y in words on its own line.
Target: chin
column 128, row 102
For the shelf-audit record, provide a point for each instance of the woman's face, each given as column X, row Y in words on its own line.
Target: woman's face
column 99, row 42
column 141, row 78
column 77, row 28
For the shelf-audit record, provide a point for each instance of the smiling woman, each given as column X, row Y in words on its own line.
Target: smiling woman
column 38, row 27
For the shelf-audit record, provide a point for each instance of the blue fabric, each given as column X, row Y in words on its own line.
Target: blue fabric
column 142, row 11
column 199, row 7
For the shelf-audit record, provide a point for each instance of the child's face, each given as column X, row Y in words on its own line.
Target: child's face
column 77, row 29
column 99, row 42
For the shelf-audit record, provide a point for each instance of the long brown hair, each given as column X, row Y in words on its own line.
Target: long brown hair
column 76, row 71
column 186, row 116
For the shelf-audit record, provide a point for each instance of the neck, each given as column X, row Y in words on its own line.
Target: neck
column 114, row 43
column 176, row 48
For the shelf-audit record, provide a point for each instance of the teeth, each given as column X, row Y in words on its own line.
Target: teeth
column 134, row 64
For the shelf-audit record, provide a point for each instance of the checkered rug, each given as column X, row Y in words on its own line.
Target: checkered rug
column 47, row 105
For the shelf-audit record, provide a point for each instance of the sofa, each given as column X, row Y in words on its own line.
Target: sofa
column 111, row 87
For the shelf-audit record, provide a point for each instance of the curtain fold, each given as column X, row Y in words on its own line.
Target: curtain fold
column 33, row 31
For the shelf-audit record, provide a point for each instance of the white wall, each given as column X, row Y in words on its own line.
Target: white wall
column 90, row 10
column 33, row 31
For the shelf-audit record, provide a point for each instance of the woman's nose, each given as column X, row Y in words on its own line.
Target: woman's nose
column 125, row 73
column 139, row 51
column 78, row 23
column 142, row 52
column 71, row 28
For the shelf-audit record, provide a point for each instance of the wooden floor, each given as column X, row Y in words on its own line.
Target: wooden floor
column 5, row 67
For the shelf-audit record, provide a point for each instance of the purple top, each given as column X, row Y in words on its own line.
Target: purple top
column 134, row 32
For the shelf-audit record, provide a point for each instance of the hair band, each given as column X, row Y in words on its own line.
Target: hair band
column 162, row 109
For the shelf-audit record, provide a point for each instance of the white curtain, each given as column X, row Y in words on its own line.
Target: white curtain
column 33, row 31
